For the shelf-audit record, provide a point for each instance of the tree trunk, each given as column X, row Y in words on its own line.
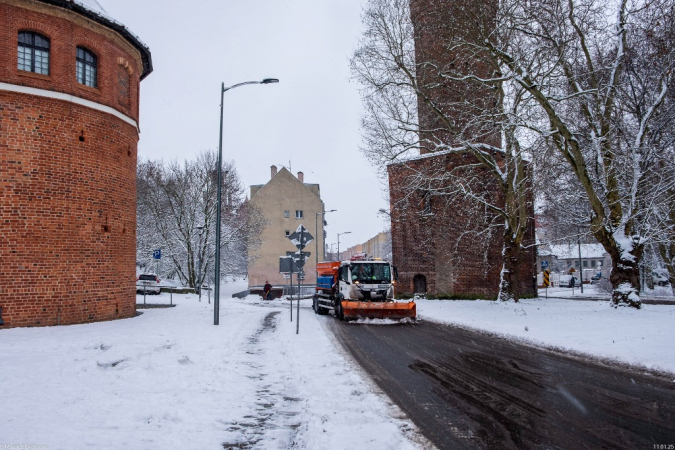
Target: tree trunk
column 508, row 283
column 667, row 252
column 625, row 279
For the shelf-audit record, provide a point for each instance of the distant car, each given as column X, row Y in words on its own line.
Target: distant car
column 596, row 277
column 148, row 283
column 568, row 281
column 660, row 278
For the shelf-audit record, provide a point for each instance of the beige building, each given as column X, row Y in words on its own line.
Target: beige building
column 375, row 247
column 287, row 202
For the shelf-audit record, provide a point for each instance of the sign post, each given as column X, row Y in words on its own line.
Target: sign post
column 547, row 279
column 300, row 238
column 157, row 255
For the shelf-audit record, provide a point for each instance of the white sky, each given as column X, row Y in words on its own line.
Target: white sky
column 311, row 118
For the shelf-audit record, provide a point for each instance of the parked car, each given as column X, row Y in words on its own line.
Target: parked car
column 148, row 283
column 597, row 277
column 568, row 281
column 660, row 277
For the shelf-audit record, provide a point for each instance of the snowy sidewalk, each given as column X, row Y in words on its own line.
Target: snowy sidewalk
column 171, row 379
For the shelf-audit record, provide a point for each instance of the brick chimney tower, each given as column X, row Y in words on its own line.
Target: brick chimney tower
column 301, row 177
column 274, row 171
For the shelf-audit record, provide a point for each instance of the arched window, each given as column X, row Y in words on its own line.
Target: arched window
column 86, row 67
column 420, row 284
column 33, row 55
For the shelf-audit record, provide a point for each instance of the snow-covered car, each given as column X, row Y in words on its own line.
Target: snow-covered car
column 568, row 281
column 660, row 278
column 148, row 283
column 597, row 277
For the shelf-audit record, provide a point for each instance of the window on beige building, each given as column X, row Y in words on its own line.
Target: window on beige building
column 298, row 214
column 288, row 233
column 287, row 214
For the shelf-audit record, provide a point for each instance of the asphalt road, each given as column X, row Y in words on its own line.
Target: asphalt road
column 469, row 390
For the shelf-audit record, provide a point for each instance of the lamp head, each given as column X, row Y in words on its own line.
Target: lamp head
column 269, row 81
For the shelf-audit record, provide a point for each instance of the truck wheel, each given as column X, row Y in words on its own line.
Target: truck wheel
column 339, row 313
column 317, row 308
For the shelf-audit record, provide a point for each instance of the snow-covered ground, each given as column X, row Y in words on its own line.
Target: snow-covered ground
column 171, row 379
column 641, row 337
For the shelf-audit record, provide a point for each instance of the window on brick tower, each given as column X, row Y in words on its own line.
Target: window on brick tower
column 86, row 67
column 33, row 53
column 123, row 82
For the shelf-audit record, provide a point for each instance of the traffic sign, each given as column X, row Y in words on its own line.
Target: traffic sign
column 547, row 280
column 301, row 237
column 157, row 254
column 544, row 265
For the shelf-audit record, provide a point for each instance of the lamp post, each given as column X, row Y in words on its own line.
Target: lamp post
column 200, row 230
column 316, row 234
column 216, row 291
column 338, row 251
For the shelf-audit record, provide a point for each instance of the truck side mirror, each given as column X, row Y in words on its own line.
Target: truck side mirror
column 2, row 321
column 395, row 273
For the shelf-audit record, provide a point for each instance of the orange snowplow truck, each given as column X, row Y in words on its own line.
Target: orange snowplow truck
column 359, row 289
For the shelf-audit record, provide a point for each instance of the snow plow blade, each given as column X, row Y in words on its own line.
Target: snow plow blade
column 379, row 310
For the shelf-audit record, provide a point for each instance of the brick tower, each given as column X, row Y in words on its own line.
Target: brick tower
column 69, row 92
column 443, row 245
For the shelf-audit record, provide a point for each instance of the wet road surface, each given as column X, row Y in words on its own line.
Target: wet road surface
column 469, row 390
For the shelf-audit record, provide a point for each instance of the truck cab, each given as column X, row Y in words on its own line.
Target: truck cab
column 366, row 280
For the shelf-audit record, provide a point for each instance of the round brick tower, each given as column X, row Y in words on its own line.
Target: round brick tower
column 69, row 89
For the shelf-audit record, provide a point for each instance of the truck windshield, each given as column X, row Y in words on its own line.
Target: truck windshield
column 370, row 273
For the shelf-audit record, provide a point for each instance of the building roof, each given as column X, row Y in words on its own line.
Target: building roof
column 571, row 251
column 93, row 10
column 283, row 172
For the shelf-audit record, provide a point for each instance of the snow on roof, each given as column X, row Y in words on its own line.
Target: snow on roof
column 93, row 6
column 96, row 12
column 570, row 251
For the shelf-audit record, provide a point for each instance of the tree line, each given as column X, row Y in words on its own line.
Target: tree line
column 176, row 212
column 567, row 102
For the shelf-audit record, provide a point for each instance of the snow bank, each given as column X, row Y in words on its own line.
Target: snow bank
column 628, row 335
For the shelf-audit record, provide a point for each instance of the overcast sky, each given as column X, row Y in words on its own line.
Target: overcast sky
column 310, row 120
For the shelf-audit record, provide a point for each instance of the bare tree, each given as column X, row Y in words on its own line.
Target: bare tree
column 430, row 85
column 600, row 73
column 177, row 213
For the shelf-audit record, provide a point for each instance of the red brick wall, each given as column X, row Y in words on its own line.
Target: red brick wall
column 443, row 28
column 456, row 244
column 67, row 206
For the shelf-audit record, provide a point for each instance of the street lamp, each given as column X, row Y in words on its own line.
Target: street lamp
column 316, row 234
column 216, row 291
column 200, row 230
column 338, row 251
